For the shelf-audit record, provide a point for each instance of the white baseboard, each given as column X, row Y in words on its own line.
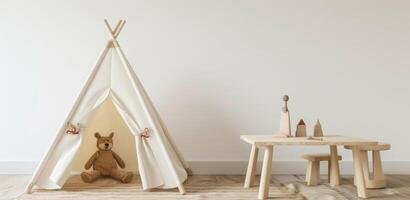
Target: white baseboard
column 287, row 167
column 231, row 167
column 17, row 167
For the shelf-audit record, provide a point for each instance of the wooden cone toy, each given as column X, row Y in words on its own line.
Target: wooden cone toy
column 317, row 131
column 301, row 129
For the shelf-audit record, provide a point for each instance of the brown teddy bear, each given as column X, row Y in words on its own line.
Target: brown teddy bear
column 104, row 162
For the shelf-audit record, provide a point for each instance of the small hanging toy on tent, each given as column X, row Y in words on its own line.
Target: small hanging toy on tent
column 284, row 129
column 317, row 131
column 301, row 129
column 72, row 129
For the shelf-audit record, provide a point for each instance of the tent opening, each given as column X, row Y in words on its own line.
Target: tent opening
column 105, row 120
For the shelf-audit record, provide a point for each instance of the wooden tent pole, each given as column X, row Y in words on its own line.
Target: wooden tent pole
column 109, row 28
column 113, row 37
column 61, row 131
column 181, row 158
column 44, row 161
column 128, row 68
column 117, row 26
column 116, row 33
column 181, row 189
column 126, row 64
column 174, row 146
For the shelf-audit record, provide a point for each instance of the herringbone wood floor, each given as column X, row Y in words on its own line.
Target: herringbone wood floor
column 203, row 187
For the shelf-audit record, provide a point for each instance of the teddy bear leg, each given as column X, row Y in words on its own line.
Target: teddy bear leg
column 91, row 176
column 124, row 177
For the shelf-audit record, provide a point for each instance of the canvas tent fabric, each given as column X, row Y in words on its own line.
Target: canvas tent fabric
column 160, row 165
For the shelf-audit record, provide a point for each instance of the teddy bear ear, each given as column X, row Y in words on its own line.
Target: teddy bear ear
column 111, row 134
column 97, row 135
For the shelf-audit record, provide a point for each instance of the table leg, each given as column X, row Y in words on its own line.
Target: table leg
column 334, row 173
column 358, row 172
column 266, row 173
column 250, row 172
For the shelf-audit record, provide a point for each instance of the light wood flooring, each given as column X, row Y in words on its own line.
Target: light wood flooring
column 204, row 187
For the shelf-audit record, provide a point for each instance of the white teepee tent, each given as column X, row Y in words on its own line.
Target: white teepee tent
column 160, row 164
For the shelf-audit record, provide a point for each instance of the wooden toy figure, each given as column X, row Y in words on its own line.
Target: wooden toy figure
column 284, row 129
column 317, row 131
column 301, row 129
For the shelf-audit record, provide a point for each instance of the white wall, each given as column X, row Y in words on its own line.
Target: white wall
column 215, row 69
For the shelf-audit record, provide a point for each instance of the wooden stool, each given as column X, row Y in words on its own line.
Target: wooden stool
column 378, row 180
column 313, row 168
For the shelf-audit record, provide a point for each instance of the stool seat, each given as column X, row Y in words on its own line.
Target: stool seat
column 319, row 157
column 379, row 147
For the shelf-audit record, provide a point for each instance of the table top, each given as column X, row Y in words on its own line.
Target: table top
column 269, row 140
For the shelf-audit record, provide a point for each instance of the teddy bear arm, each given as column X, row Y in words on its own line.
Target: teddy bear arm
column 90, row 161
column 118, row 159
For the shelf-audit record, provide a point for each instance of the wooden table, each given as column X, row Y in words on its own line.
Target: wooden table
column 268, row 141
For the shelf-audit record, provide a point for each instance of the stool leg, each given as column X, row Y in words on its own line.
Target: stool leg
column 377, row 166
column 313, row 173
column 360, row 184
column 378, row 180
column 365, row 165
